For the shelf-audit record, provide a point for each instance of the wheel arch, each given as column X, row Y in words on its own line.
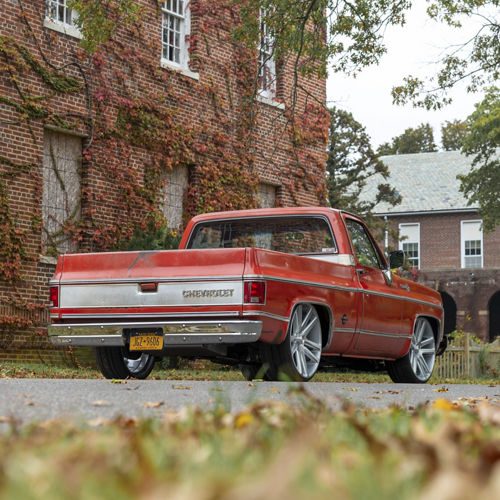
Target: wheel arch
column 325, row 314
column 436, row 325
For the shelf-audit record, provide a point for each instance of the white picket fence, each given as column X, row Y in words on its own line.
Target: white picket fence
column 466, row 358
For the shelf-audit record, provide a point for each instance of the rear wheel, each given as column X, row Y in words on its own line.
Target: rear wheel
column 416, row 367
column 120, row 363
column 249, row 370
column 299, row 355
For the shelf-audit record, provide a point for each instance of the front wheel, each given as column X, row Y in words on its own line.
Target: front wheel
column 120, row 363
column 416, row 367
column 299, row 355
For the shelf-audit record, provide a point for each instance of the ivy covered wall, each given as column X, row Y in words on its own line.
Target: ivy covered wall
column 137, row 122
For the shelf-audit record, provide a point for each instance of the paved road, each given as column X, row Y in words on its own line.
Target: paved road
column 28, row 400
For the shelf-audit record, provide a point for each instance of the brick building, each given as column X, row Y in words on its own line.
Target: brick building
column 443, row 239
column 169, row 117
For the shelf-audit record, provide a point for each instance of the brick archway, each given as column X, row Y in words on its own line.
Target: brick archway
column 494, row 314
column 450, row 312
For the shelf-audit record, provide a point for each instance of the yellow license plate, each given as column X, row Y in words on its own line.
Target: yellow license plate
column 146, row 342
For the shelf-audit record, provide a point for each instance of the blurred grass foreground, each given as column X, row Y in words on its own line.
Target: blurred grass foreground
column 271, row 450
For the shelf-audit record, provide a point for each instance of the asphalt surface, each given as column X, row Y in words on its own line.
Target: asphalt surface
column 35, row 400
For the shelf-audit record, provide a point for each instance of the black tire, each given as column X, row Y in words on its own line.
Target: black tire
column 252, row 371
column 119, row 363
column 298, row 356
column 416, row 367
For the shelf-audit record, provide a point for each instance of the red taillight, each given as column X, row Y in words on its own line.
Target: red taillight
column 255, row 292
column 54, row 296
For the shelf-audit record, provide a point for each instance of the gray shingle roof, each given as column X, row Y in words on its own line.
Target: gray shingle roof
column 426, row 181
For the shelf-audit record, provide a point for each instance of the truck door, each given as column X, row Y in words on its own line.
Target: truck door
column 379, row 332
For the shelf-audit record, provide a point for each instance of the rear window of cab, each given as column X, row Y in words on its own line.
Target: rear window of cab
column 291, row 234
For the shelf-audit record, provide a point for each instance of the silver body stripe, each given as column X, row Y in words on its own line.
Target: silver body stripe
column 390, row 335
column 157, row 279
column 343, row 288
column 267, row 315
column 156, row 315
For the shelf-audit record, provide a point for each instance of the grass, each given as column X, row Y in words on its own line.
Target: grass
column 268, row 450
column 205, row 370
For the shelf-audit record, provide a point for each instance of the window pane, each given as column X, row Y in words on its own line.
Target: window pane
column 363, row 247
column 296, row 235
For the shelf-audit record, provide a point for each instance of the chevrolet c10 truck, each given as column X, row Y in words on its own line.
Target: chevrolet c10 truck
column 275, row 291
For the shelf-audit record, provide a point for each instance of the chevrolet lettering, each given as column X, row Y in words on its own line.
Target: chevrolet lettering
column 279, row 293
column 189, row 294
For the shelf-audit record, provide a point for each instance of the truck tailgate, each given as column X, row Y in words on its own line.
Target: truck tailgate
column 148, row 282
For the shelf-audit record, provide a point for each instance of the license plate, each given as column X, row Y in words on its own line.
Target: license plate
column 146, row 341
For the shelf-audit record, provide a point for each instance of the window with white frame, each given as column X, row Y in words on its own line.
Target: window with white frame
column 267, row 64
column 57, row 11
column 471, row 236
column 175, row 28
column 409, row 242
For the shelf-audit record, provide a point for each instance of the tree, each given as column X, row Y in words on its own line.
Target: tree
column 351, row 161
column 412, row 140
column 308, row 35
column 475, row 62
column 453, row 135
column 482, row 184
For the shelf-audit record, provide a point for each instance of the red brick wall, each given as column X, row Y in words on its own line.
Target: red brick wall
column 440, row 267
column 298, row 180
column 440, row 246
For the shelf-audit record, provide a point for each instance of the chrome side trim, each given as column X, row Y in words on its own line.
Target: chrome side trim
column 150, row 315
column 158, row 279
column 267, row 315
column 343, row 289
column 303, row 282
column 344, row 330
column 408, row 299
column 381, row 334
column 174, row 332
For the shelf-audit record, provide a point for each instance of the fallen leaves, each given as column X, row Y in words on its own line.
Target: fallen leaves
column 101, row 402
column 441, row 389
column 152, row 404
column 444, row 449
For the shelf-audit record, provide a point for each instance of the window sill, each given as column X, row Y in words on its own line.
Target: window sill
column 63, row 28
column 46, row 259
column 269, row 102
column 183, row 71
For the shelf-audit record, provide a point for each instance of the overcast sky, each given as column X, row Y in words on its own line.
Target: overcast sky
column 413, row 49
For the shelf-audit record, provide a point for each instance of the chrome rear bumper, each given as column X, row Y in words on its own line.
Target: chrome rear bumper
column 175, row 333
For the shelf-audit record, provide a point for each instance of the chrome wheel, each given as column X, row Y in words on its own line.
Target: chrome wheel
column 136, row 366
column 416, row 367
column 305, row 340
column 422, row 354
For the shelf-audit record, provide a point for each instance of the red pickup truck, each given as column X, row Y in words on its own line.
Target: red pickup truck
column 274, row 291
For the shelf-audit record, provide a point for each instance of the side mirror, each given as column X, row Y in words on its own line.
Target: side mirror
column 396, row 259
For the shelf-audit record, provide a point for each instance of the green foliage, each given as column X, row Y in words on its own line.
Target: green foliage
column 99, row 19
column 476, row 61
column 412, row 140
column 153, row 237
column 482, row 184
column 351, row 161
column 453, row 135
column 348, row 35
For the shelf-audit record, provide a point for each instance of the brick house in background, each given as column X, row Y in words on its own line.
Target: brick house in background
column 170, row 116
column 443, row 239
